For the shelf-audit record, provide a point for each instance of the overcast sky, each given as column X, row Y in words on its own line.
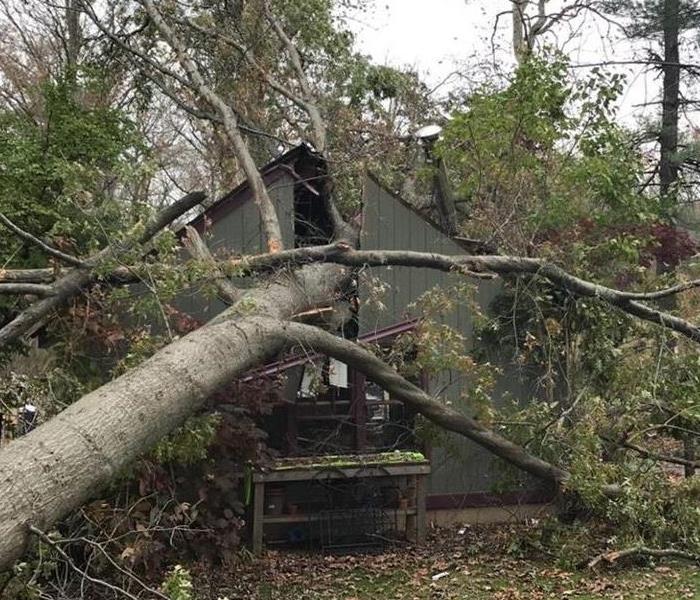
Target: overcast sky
column 434, row 36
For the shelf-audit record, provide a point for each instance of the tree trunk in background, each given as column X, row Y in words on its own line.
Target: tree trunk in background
column 74, row 38
column 668, row 142
column 520, row 45
column 668, row 136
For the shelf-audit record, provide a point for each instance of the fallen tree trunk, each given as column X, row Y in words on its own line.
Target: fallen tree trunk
column 63, row 463
column 56, row 468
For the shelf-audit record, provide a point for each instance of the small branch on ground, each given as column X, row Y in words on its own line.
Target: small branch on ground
column 611, row 557
column 694, row 464
column 69, row 561
column 32, row 289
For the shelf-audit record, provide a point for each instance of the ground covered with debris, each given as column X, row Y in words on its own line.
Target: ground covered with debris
column 499, row 563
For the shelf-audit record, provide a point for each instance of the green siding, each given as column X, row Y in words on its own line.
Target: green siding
column 458, row 466
column 240, row 232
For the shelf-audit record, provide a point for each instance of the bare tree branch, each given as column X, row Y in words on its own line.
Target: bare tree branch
column 107, row 556
column 391, row 381
column 34, row 289
column 266, row 208
column 677, row 460
column 71, row 563
column 343, row 254
column 27, row 275
column 66, row 258
column 611, row 557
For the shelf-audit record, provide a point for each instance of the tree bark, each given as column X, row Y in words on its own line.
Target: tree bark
column 668, row 136
column 73, row 37
column 63, row 463
column 520, row 44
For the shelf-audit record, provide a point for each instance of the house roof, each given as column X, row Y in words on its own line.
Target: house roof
column 284, row 165
column 271, row 172
column 379, row 335
column 471, row 246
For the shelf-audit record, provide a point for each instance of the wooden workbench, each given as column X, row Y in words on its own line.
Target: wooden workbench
column 411, row 465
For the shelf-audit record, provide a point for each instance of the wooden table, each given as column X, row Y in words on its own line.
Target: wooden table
column 378, row 465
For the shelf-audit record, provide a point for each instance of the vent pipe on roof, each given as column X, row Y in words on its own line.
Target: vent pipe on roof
column 444, row 199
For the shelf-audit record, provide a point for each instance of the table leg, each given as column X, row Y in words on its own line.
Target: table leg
column 258, row 515
column 411, row 519
column 421, row 523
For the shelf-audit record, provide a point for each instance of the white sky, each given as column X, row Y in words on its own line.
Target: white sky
column 433, row 36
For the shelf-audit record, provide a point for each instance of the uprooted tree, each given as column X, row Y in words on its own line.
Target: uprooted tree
column 182, row 54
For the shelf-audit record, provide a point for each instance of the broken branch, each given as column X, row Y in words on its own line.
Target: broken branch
column 343, row 254
column 75, row 280
column 50, row 250
column 199, row 250
column 611, row 557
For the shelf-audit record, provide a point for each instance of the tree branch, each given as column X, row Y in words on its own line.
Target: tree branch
column 437, row 412
column 249, row 57
column 66, row 557
column 87, row 7
column 611, row 557
column 266, row 208
column 34, row 289
column 66, row 258
column 199, row 250
column 340, row 227
column 693, row 464
column 27, row 275
column 343, row 254
column 75, row 280
column 310, row 105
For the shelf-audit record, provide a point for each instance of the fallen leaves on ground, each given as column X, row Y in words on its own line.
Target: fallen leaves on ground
column 451, row 566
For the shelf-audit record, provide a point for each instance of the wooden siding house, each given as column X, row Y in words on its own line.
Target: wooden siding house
column 348, row 414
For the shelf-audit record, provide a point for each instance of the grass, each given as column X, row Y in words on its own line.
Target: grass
column 486, row 580
column 475, row 566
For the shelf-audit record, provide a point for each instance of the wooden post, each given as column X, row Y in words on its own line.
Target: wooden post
column 421, row 522
column 412, row 519
column 358, row 408
column 258, row 516
column 292, row 429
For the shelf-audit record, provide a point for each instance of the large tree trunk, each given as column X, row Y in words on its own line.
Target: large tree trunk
column 60, row 465
column 668, row 137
